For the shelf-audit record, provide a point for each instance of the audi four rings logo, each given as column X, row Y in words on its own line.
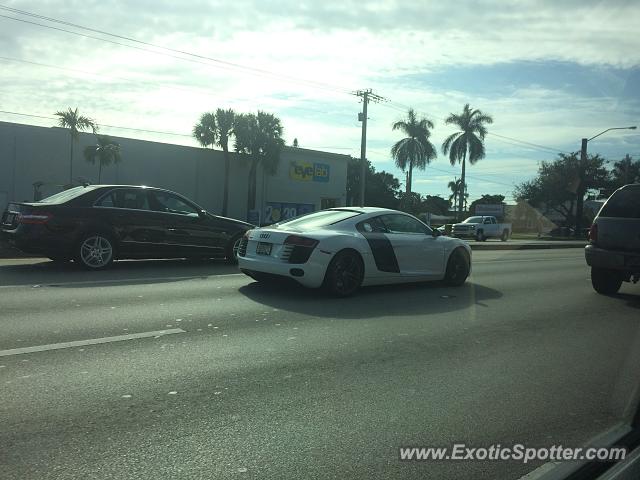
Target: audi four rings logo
column 265, row 235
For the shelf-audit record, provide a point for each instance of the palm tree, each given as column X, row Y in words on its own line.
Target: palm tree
column 225, row 119
column 466, row 143
column 75, row 122
column 415, row 150
column 454, row 186
column 106, row 152
column 260, row 137
column 205, row 130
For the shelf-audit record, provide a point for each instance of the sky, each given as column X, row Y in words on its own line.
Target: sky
column 548, row 72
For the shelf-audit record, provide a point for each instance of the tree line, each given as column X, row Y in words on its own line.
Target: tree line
column 259, row 137
column 558, row 183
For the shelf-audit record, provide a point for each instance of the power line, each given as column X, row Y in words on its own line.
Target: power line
column 102, row 124
column 218, row 62
column 142, row 81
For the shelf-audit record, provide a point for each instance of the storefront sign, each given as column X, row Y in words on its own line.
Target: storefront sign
column 309, row 172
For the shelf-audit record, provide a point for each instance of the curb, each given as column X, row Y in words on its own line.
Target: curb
column 526, row 246
column 7, row 254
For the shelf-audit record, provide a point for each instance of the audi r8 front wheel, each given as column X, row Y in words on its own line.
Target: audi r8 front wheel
column 458, row 268
column 344, row 274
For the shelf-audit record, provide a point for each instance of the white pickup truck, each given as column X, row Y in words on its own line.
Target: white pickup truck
column 481, row 228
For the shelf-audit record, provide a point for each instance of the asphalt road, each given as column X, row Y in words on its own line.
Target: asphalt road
column 236, row 379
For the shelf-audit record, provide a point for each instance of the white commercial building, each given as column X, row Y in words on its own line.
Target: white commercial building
column 34, row 161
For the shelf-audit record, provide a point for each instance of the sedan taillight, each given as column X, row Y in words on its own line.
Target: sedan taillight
column 34, row 218
column 593, row 233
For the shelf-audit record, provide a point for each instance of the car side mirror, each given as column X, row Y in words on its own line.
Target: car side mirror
column 435, row 232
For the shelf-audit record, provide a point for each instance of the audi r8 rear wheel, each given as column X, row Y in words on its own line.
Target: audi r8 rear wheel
column 458, row 268
column 344, row 274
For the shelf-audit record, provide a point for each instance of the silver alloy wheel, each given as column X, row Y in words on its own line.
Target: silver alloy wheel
column 96, row 251
column 236, row 247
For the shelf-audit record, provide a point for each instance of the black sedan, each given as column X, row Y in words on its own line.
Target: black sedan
column 95, row 224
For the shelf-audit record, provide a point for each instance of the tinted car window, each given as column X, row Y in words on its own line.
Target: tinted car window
column 624, row 203
column 372, row 225
column 403, row 224
column 132, row 199
column 170, row 203
column 106, row 201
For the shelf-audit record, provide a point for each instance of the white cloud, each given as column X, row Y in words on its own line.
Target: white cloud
column 350, row 44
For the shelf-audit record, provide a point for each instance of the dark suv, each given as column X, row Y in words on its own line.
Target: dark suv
column 95, row 224
column 614, row 241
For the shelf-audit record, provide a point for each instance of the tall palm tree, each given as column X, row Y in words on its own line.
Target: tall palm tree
column 206, row 135
column 415, row 150
column 260, row 137
column 205, row 130
column 225, row 119
column 456, row 191
column 454, row 186
column 75, row 122
column 466, row 143
column 106, row 152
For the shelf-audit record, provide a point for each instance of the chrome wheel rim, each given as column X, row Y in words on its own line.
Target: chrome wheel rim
column 236, row 247
column 96, row 251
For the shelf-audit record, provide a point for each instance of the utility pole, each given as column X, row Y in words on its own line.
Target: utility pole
column 367, row 96
column 582, row 174
column 581, row 187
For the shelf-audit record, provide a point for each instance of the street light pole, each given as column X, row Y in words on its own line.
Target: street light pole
column 582, row 173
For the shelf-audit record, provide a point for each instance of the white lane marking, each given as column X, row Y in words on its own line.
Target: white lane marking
column 91, row 341
column 125, row 280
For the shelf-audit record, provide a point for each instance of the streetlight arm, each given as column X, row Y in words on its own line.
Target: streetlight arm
column 614, row 128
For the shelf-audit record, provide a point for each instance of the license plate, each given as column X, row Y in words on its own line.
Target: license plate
column 263, row 248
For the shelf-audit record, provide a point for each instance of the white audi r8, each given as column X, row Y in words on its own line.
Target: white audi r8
column 344, row 248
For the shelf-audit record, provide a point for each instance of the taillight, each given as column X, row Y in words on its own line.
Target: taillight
column 300, row 241
column 34, row 218
column 593, row 233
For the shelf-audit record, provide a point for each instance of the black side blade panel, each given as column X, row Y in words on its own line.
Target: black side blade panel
column 383, row 253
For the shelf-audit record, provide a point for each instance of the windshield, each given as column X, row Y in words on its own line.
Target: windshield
column 319, row 219
column 66, row 195
column 474, row 220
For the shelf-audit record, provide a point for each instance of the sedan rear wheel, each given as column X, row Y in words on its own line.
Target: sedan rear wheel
column 95, row 251
column 344, row 274
column 458, row 268
column 232, row 250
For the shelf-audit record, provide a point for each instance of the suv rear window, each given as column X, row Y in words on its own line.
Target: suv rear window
column 624, row 203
